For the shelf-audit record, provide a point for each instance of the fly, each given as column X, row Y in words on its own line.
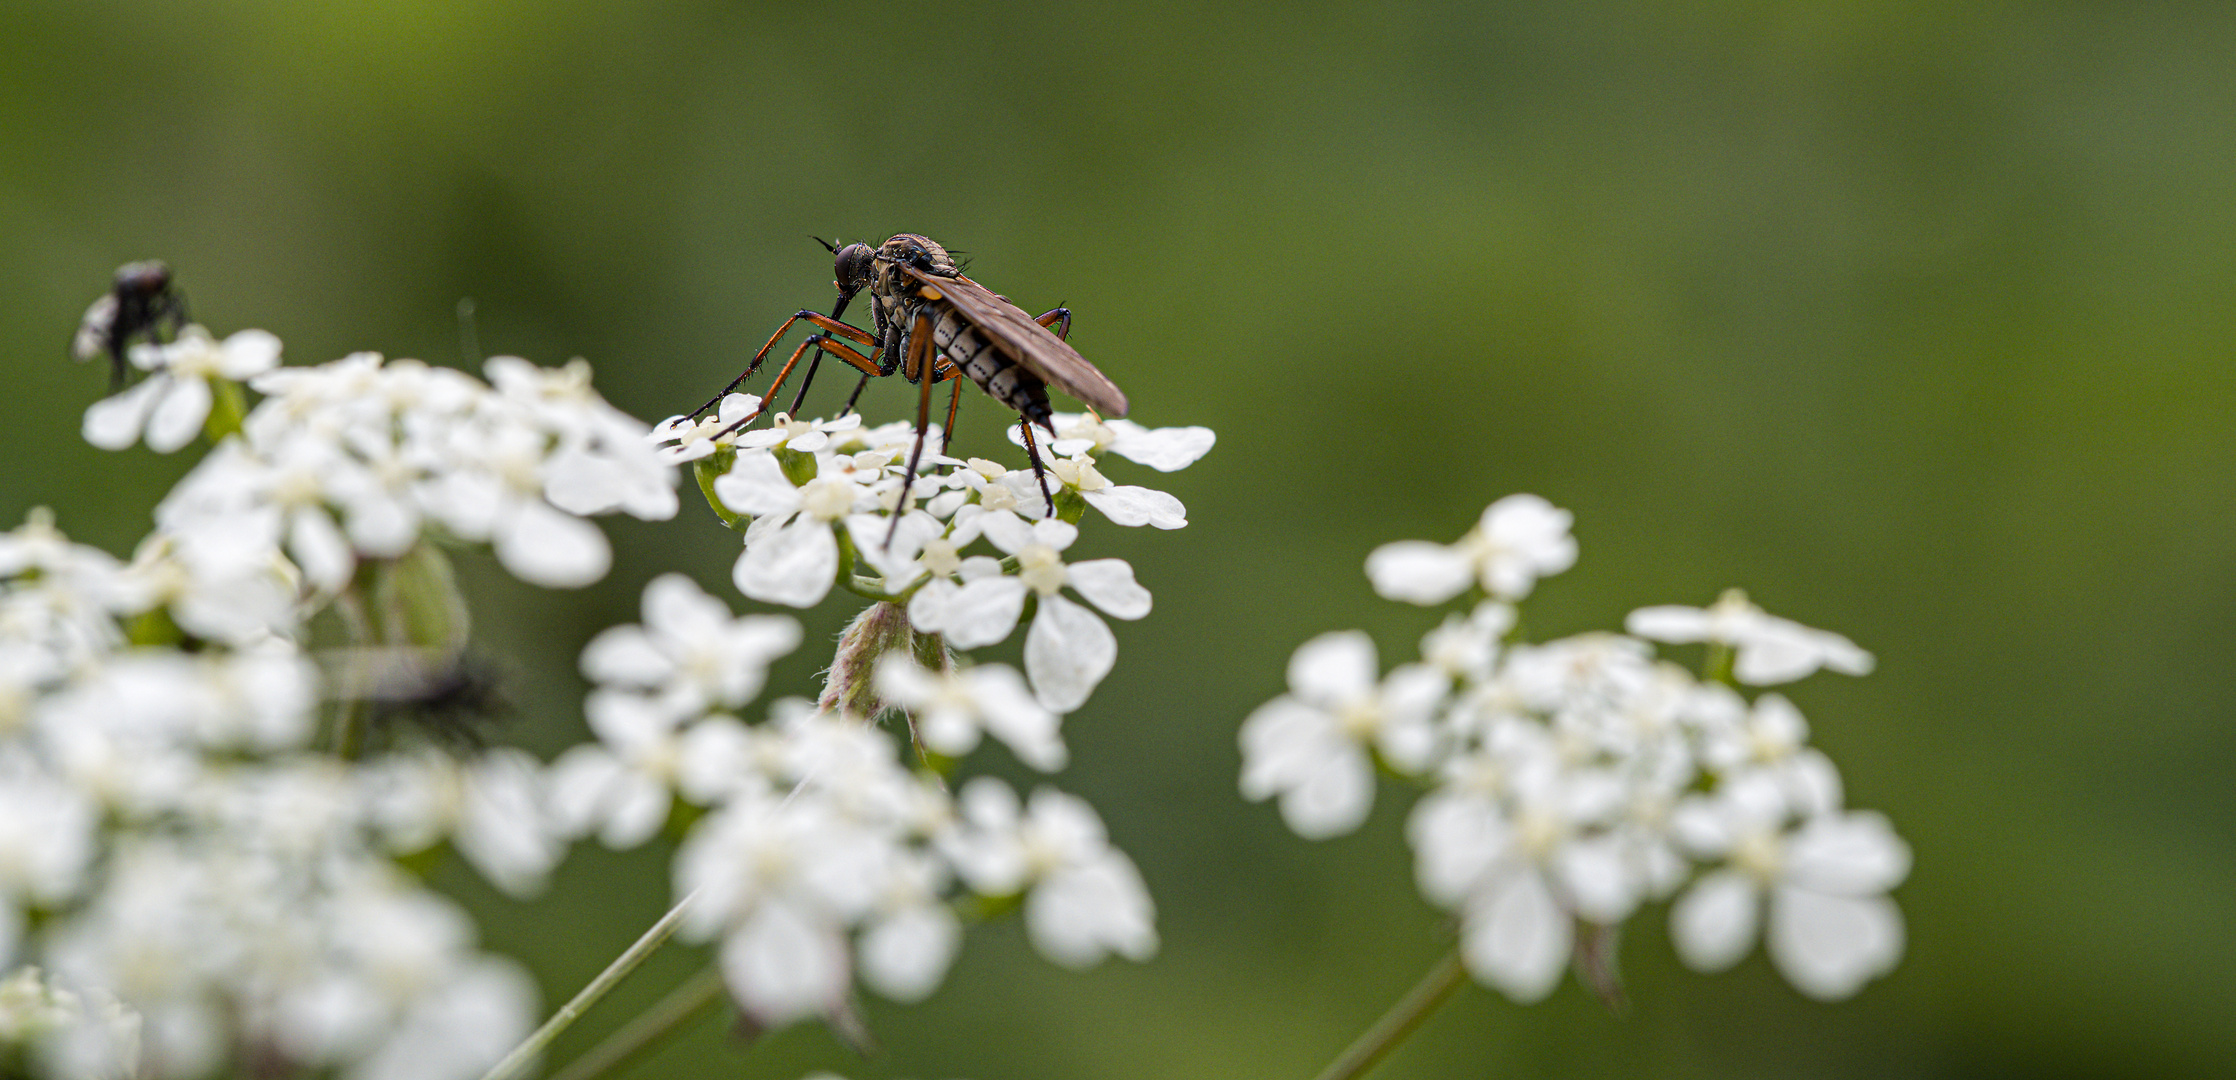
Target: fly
column 934, row 325
column 139, row 303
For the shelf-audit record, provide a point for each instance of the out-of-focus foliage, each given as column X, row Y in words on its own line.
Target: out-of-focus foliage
column 1913, row 320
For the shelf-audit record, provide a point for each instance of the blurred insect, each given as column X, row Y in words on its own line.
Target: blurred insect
column 934, row 325
column 140, row 303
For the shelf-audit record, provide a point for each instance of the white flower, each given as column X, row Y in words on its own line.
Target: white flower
column 1122, row 504
column 799, row 436
column 680, row 438
column 1162, row 449
column 1831, row 927
column 492, row 808
column 1310, row 745
column 1522, row 859
column 1086, row 898
column 949, row 709
column 622, row 785
column 690, row 654
column 1068, row 650
column 1770, row 650
column 791, row 555
column 1520, row 538
column 171, row 404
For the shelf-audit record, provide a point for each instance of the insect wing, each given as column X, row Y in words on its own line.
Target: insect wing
column 93, row 331
column 1040, row 351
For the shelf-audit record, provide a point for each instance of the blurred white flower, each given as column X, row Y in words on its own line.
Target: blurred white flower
column 170, row 405
column 1309, row 746
column 1769, row 650
column 1832, row 928
column 950, row 709
column 1086, row 899
column 690, row 654
column 1520, row 538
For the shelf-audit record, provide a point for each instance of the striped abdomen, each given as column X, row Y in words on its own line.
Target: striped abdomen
column 987, row 365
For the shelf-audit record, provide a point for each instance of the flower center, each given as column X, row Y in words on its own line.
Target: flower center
column 1040, row 568
column 827, row 500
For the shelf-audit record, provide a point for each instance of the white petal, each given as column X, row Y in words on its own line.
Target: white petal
column 1829, row 946
column 542, row 546
column 625, row 655
column 114, row 423
column 1014, row 717
column 1284, row 742
column 794, row 565
column 1067, row 652
column 1162, row 449
column 1131, row 506
column 756, row 486
column 1671, row 623
column 1516, row 938
column 981, row 612
column 178, row 414
column 1334, row 799
column 249, row 353
column 784, row 964
column 1109, row 584
column 318, row 547
column 1418, row 572
column 1334, row 668
column 639, row 808
column 1076, row 916
column 1714, row 924
column 1851, row 854
column 1598, row 876
column 905, row 955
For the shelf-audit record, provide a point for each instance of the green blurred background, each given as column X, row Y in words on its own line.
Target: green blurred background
column 1912, row 319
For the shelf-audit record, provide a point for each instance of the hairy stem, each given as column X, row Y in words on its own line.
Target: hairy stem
column 1400, row 1021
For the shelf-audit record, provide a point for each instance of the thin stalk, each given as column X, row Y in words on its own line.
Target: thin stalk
column 682, row 1005
column 517, row 1062
column 1400, row 1021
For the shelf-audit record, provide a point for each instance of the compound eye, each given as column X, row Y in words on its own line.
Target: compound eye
column 852, row 265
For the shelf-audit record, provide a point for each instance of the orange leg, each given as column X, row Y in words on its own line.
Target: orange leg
column 822, row 344
column 860, row 337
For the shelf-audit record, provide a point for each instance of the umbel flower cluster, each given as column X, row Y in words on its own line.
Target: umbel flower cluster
column 1572, row 782
column 226, row 762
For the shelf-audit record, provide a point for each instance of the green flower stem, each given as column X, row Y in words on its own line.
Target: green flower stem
column 1716, row 664
column 1400, row 1021
column 653, row 1026
column 516, row 1063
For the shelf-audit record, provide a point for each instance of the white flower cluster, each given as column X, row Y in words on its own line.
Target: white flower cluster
column 172, row 841
column 1573, row 781
column 198, row 849
column 822, row 497
column 359, row 458
column 820, row 853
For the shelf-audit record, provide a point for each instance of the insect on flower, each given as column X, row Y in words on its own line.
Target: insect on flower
column 140, row 302
column 934, row 325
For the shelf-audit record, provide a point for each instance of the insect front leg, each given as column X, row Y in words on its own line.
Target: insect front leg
column 819, row 319
column 823, row 344
column 1058, row 320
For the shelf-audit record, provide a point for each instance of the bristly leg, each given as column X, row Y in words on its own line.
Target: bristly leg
column 826, row 322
